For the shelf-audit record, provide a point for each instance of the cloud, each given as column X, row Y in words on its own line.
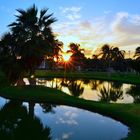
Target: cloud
column 65, row 136
column 72, row 13
column 70, row 114
column 107, row 12
column 121, row 29
column 68, row 118
column 126, row 28
column 73, row 16
column 87, row 33
column 70, row 121
column 70, row 9
column 126, row 23
column 85, row 24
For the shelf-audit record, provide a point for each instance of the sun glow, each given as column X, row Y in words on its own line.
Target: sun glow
column 66, row 57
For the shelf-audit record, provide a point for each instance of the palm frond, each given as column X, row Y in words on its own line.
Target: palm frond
column 43, row 12
column 13, row 24
column 21, row 11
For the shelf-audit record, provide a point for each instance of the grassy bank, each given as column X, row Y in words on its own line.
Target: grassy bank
column 122, row 77
column 126, row 113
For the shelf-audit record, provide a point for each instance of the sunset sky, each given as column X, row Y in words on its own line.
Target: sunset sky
column 91, row 23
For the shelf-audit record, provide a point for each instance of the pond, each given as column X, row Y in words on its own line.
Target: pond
column 43, row 121
column 96, row 90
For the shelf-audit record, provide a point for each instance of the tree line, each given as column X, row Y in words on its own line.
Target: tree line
column 109, row 58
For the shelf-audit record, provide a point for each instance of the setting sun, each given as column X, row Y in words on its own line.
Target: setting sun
column 66, row 57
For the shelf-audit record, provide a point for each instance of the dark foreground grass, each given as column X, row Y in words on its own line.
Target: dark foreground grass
column 116, row 76
column 129, row 114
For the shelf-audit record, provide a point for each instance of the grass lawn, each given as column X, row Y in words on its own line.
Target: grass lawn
column 122, row 77
column 129, row 114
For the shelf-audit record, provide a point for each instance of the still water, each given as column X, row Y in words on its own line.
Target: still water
column 95, row 90
column 43, row 121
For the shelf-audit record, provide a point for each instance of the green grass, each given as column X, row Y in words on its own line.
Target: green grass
column 129, row 114
column 122, row 77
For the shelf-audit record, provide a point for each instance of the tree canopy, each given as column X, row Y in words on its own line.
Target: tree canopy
column 30, row 38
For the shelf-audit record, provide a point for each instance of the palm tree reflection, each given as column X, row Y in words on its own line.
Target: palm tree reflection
column 47, row 107
column 135, row 92
column 86, row 81
column 110, row 95
column 116, row 85
column 95, row 84
column 76, row 89
column 16, row 123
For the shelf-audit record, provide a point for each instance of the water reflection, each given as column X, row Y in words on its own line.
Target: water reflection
column 110, row 94
column 76, row 89
column 134, row 91
column 95, row 84
column 17, row 123
column 46, row 108
column 20, row 120
column 95, row 90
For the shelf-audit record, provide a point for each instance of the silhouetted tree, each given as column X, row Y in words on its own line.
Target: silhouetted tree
column 117, row 54
column 77, row 58
column 34, row 37
column 106, row 52
column 10, row 65
column 30, row 39
column 136, row 62
column 137, row 53
column 58, row 50
column 113, row 56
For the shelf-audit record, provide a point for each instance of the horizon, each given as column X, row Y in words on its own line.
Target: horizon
column 91, row 23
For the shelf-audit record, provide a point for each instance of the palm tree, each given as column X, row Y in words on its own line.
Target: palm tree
column 117, row 54
column 77, row 57
column 112, row 54
column 136, row 62
column 137, row 53
column 33, row 35
column 57, row 50
column 56, row 56
column 106, row 53
column 118, row 59
column 94, row 56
